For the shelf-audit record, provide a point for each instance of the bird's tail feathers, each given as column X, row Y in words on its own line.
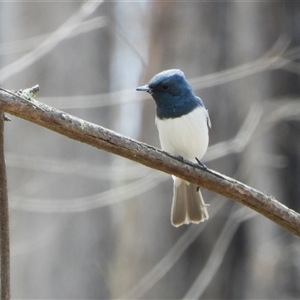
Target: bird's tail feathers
column 188, row 204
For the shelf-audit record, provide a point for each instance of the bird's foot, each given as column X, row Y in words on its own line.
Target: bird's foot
column 180, row 157
column 202, row 165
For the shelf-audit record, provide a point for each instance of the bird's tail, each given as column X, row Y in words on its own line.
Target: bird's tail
column 188, row 205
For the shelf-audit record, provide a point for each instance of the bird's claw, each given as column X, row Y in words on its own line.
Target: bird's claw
column 180, row 157
column 202, row 165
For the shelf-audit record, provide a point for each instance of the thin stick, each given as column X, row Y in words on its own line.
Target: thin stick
column 4, row 220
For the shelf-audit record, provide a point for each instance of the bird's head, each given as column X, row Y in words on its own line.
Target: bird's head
column 172, row 94
column 168, row 87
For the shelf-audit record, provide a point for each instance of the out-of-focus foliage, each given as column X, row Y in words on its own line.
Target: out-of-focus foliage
column 86, row 224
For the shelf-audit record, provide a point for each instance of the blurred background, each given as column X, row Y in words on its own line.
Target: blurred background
column 86, row 224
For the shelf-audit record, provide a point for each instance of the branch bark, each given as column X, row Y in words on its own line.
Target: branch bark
column 152, row 157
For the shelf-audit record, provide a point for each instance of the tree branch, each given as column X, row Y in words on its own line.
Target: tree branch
column 152, row 157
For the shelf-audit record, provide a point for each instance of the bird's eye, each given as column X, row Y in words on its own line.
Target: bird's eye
column 165, row 87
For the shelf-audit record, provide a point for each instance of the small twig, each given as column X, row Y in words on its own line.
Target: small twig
column 152, row 157
column 59, row 35
column 26, row 95
column 4, row 220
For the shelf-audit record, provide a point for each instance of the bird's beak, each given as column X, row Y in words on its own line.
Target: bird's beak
column 144, row 88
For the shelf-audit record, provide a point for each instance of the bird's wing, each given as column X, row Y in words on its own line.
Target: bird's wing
column 208, row 119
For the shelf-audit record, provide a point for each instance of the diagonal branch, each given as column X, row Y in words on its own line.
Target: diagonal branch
column 152, row 157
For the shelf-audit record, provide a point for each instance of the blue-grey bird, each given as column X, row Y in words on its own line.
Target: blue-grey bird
column 182, row 122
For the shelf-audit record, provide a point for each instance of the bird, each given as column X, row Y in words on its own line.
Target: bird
column 183, row 127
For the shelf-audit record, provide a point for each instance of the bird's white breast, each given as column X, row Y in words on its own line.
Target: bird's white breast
column 186, row 136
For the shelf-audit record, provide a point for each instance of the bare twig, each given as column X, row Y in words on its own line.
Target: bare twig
column 47, row 45
column 169, row 260
column 110, row 141
column 273, row 59
column 112, row 196
column 241, row 140
column 215, row 259
column 29, row 44
column 4, row 220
